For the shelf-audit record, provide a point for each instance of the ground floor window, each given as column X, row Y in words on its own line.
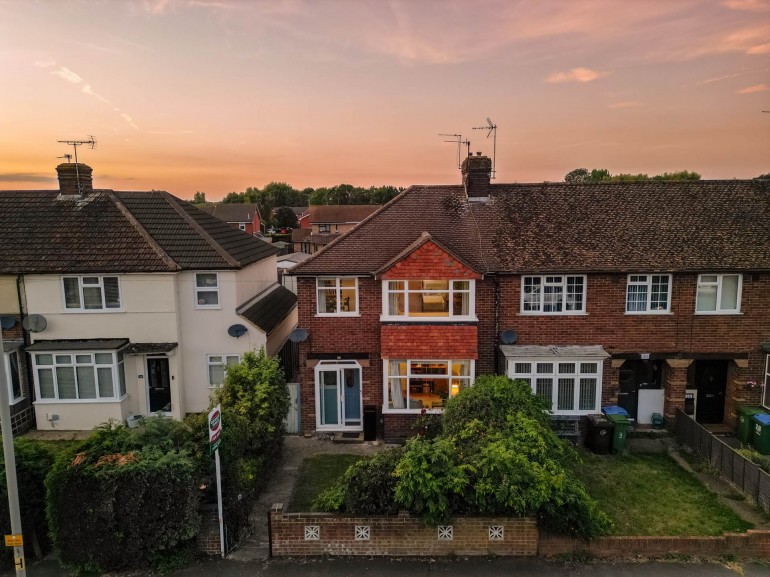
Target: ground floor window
column 767, row 382
column 568, row 386
column 217, row 365
column 81, row 375
column 13, row 374
column 424, row 384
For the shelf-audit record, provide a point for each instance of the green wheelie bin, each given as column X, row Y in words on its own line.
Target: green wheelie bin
column 745, row 429
column 620, row 432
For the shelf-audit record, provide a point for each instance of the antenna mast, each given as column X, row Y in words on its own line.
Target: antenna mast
column 492, row 128
column 458, row 139
column 91, row 142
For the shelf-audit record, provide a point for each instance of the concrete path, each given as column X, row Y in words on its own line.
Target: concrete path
column 281, row 485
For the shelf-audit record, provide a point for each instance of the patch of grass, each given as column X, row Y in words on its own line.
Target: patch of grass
column 317, row 474
column 649, row 494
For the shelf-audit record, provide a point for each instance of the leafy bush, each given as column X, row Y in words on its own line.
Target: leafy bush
column 33, row 462
column 366, row 488
column 124, row 499
column 497, row 455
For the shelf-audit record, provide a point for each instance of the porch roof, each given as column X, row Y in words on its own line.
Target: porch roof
column 78, row 345
column 554, row 351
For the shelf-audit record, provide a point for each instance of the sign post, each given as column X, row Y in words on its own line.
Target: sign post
column 215, row 437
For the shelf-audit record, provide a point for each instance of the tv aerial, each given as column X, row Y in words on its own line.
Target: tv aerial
column 492, row 128
column 458, row 139
column 91, row 143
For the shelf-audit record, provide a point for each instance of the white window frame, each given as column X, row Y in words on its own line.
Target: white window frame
column 7, row 359
column 648, row 282
column 242, row 226
column 214, row 289
column 339, row 288
column 577, row 375
column 100, row 285
column 324, row 228
column 407, row 411
column 563, row 283
column 766, row 383
column 224, row 363
column 118, row 380
column 718, row 284
column 450, row 292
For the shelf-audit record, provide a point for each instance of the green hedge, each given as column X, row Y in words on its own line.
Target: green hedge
column 123, row 499
column 33, row 461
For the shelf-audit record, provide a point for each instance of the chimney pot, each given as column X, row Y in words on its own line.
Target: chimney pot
column 69, row 175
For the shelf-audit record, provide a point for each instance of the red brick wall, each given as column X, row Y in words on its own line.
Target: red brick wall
column 429, row 262
column 426, row 341
column 208, row 535
column 401, row 535
column 605, row 323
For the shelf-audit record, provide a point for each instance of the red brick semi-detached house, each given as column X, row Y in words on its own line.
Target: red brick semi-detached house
column 652, row 295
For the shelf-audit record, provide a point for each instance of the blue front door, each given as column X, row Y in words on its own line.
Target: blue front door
column 352, row 396
column 338, row 387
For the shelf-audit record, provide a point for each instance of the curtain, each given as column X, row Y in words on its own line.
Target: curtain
column 396, row 394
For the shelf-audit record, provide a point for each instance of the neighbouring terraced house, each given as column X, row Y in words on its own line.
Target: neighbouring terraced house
column 652, row 295
column 135, row 302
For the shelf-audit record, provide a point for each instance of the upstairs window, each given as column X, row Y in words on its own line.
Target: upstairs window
column 91, row 293
column 337, row 296
column 242, row 226
column 648, row 293
column 553, row 294
column 207, row 290
column 324, row 228
column 421, row 299
column 718, row 294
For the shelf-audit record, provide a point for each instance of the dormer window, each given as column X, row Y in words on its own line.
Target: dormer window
column 428, row 299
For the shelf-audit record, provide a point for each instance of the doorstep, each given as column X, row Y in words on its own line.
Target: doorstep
column 349, row 438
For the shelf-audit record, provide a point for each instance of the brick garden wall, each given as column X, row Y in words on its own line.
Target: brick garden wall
column 208, row 535
column 300, row 534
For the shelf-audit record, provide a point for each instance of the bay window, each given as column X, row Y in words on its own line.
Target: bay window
column 337, row 296
column 421, row 299
column 91, row 293
column 79, row 375
column 424, row 384
column 553, row 294
column 567, row 386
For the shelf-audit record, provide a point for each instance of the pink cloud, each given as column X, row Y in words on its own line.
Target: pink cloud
column 575, row 75
column 753, row 89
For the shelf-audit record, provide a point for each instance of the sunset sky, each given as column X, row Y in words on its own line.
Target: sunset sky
column 217, row 96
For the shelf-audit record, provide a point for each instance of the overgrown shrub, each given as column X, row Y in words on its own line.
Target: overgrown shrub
column 366, row 488
column 497, row 455
column 33, row 461
column 123, row 498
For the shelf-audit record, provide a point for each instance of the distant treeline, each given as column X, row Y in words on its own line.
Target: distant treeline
column 278, row 194
column 603, row 175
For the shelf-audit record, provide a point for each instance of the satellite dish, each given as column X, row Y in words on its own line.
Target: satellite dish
column 236, row 331
column 298, row 335
column 34, row 323
column 508, row 337
column 7, row 322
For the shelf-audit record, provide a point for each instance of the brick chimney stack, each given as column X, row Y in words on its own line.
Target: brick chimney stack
column 69, row 174
column 477, row 171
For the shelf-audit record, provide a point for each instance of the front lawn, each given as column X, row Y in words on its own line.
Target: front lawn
column 653, row 495
column 317, row 474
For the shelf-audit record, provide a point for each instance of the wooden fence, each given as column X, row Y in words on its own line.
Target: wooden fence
column 745, row 475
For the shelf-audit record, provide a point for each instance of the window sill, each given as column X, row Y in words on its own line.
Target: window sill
column 386, row 411
column 328, row 315
column 17, row 401
column 717, row 313
column 92, row 311
column 648, row 313
column 427, row 319
column 561, row 314
column 212, row 308
column 78, row 401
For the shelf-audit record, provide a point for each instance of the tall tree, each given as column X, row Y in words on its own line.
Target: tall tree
column 199, row 198
column 284, row 217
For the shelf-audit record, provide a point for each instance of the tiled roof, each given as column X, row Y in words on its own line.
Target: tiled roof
column 269, row 308
column 108, row 231
column 232, row 211
column 560, row 227
column 340, row 213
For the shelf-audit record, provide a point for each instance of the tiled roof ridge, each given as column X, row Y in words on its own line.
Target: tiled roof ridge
column 141, row 230
column 355, row 228
column 174, row 202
